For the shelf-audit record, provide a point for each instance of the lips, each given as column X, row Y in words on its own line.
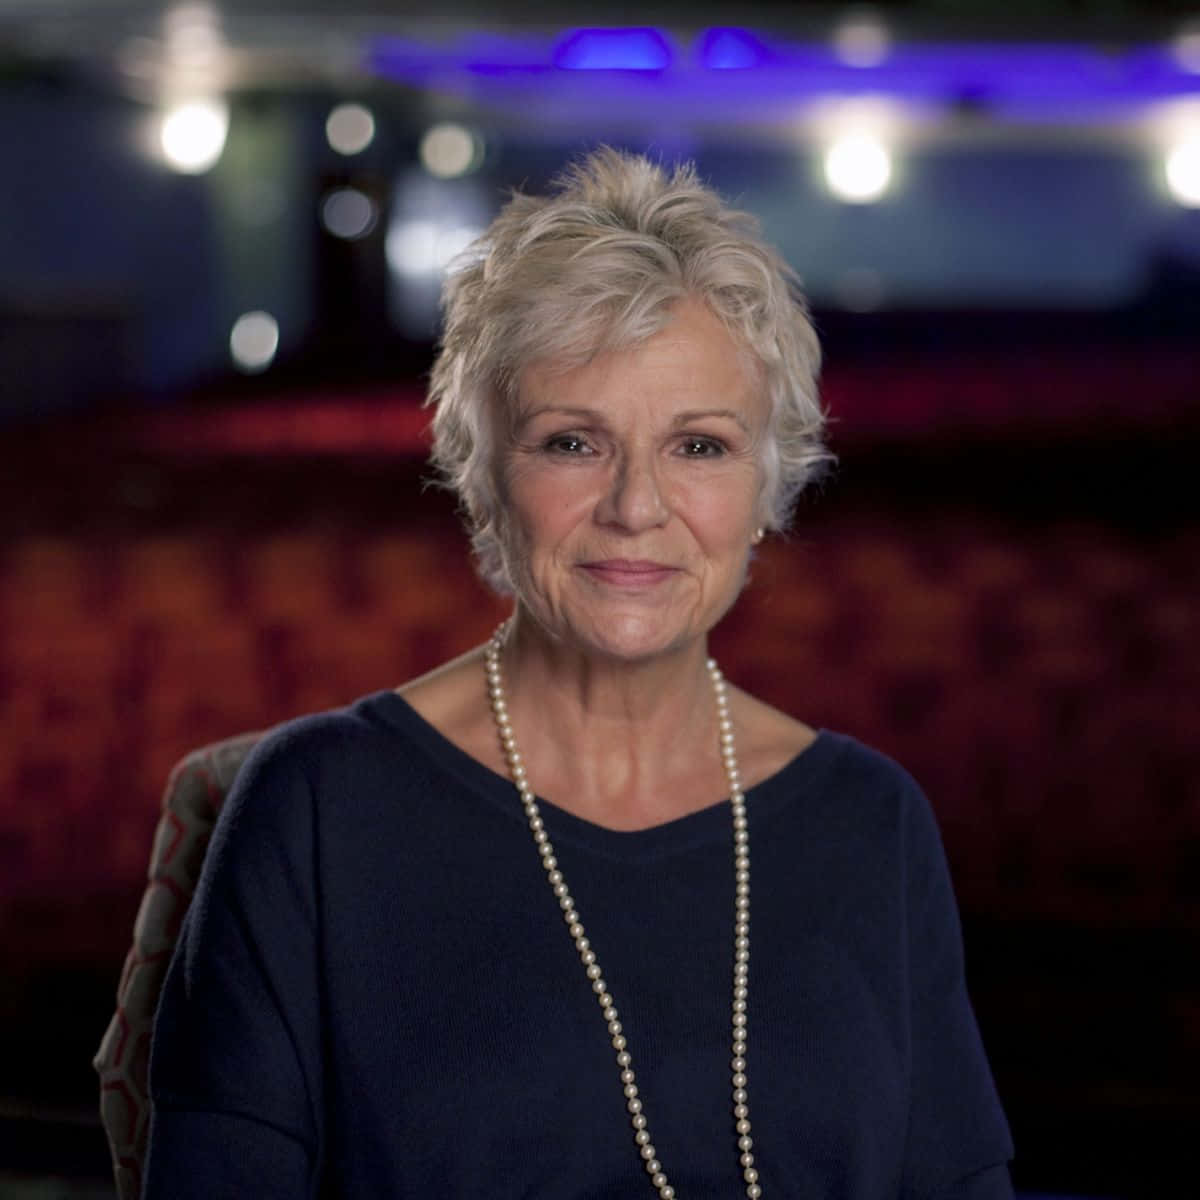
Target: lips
column 628, row 572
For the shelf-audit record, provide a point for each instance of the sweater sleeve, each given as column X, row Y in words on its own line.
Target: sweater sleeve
column 958, row 1143
column 235, row 1069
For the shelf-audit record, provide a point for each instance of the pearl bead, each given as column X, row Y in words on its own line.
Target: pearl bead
column 726, row 744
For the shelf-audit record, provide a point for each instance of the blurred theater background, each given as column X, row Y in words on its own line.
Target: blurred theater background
column 222, row 231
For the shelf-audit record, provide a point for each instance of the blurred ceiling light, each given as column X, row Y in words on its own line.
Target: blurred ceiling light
column 348, row 213
column 858, row 168
column 1185, row 49
column 425, row 247
column 861, row 40
column 448, row 150
column 350, row 128
column 193, row 35
column 616, row 49
column 253, row 341
column 727, row 49
column 193, row 135
column 452, row 242
column 1182, row 168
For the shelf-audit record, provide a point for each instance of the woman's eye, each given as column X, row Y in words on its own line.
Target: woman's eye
column 702, row 447
column 567, row 443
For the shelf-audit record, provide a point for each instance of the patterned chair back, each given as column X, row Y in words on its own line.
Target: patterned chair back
column 193, row 797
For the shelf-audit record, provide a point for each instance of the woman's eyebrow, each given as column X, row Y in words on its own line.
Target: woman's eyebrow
column 558, row 410
column 697, row 414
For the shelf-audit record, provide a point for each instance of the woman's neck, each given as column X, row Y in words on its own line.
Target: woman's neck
column 627, row 745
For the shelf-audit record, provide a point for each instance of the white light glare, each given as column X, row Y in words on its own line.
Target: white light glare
column 350, row 128
column 348, row 213
column 1182, row 169
column 858, row 168
column 448, row 150
column 253, row 341
column 426, row 248
column 861, row 41
column 193, row 135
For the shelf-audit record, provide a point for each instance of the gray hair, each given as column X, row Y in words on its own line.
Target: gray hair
column 598, row 265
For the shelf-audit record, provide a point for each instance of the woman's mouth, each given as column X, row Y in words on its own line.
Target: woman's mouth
column 628, row 572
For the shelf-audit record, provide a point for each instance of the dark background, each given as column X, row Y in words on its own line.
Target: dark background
column 997, row 585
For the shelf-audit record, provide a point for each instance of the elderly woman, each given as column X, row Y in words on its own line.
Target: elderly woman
column 571, row 916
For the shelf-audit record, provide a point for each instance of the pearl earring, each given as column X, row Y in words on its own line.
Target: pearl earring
column 758, row 536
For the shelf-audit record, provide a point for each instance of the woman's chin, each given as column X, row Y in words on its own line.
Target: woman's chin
column 635, row 637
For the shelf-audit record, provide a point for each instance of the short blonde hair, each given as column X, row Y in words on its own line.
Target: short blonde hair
column 598, row 265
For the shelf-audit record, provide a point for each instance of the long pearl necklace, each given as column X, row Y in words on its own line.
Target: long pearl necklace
column 741, row 924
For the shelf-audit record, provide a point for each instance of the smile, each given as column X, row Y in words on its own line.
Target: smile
column 628, row 572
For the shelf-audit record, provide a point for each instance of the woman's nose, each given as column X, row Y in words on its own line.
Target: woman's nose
column 634, row 499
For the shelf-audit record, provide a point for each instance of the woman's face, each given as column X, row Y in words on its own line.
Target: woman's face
column 632, row 486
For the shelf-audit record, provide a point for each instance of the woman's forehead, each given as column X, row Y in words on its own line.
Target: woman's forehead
column 692, row 361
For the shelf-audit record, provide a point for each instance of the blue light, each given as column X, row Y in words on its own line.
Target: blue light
column 613, row 50
column 730, row 50
column 591, row 76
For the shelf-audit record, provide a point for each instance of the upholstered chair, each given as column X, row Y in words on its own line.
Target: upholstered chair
column 194, row 794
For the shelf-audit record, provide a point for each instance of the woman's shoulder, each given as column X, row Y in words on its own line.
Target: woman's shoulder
column 854, row 777
column 768, row 739
column 348, row 744
column 451, row 700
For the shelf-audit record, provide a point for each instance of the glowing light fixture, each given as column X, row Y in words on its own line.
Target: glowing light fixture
column 350, row 128
column 348, row 213
column 1182, row 169
column 861, row 41
column 253, row 341
column 425, row 247
column 858, row 168
column 193, row 135
column 448, row 150
column 630, row 49
column 726, row 49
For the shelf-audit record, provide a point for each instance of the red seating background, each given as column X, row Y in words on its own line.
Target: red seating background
column 1034, row 665
column 1036, row 689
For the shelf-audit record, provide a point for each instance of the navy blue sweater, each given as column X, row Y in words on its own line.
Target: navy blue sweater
column 374, row 994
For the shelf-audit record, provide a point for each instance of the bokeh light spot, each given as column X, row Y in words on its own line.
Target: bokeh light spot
column 425, row 247
column 253, row 341
column 858, row 168
column 350, row 128
column 1183, row 172
column 861, row 41
column 348, row 213
column 193, row 135
column 448, row 150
